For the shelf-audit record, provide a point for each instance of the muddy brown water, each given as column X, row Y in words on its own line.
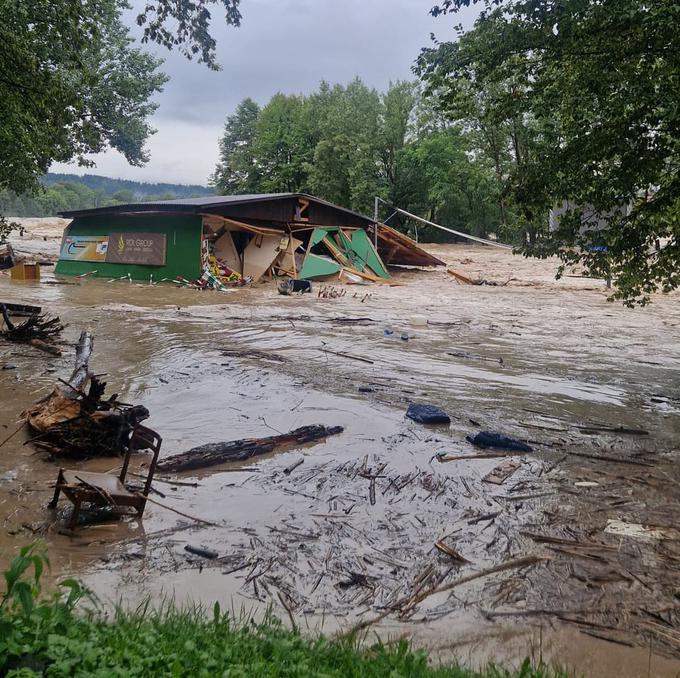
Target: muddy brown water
column 544, row 361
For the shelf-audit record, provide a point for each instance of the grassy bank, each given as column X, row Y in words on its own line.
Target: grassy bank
column 63, row 635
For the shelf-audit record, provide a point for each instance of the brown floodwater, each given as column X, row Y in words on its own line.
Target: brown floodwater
column 538, row 360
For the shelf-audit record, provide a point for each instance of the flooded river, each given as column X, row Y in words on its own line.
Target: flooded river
column 549, row 362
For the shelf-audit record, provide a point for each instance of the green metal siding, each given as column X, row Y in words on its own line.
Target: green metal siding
column 183, row 245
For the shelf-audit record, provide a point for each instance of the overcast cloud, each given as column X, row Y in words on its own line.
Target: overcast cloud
column 282, row 46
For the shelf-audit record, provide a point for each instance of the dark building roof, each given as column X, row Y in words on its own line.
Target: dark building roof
column 265, row 207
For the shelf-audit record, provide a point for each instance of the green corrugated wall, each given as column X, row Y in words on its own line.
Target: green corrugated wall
column 183, row 245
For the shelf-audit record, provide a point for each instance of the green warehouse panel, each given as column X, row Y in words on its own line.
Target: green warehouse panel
column 162, row 246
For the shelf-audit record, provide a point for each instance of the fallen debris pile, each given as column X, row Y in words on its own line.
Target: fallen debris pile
column 235, row 252
column 39, row 330
column 213, row 454
column 463, row 279
column 75, row 420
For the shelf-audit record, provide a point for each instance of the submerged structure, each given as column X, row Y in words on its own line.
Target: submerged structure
column 217, row 241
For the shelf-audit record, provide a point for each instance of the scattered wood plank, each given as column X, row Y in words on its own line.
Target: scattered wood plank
column 548, row 539
column 347, row 355
column 621, row 430
column 461, row 277
column 502, row 472
column 516, row 563
column 443, row 547
column 605, row 457
column 486, row 455
column 289, row 469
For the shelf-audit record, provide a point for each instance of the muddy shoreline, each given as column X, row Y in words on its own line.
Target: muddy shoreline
column 544, row 361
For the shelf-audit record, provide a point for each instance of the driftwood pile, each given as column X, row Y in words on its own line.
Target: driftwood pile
column 76, row 421
column 240, row 450
column 39, row 330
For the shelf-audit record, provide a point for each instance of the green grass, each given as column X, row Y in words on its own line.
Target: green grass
column 59, row 636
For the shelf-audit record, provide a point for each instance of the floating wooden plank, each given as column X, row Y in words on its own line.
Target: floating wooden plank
column 502, row 472
column 461, row 277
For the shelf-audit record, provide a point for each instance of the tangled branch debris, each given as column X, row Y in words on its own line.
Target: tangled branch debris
column 39, row 330
column 75, row 420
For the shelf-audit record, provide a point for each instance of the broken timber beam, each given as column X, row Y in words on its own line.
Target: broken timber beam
column 213, row 454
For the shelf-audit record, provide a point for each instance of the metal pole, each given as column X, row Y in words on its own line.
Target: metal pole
column 458, row 233
column 375, row 223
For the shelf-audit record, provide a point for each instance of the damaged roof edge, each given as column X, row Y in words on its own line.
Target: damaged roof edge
column 203, row 205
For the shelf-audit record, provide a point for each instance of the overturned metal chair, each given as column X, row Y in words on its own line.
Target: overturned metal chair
column 106, row 489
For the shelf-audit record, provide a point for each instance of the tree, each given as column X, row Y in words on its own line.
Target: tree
column 70, row 84
column 593, row 97
column 448, row 185
column 348, row 144
column 237, row 171
column 282, row 149
column 346, row 158
column 186, row 24
column 398, row 105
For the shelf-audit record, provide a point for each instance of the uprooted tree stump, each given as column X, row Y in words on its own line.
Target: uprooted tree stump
column 39, row 330
column 75, row 420
column 242, row 450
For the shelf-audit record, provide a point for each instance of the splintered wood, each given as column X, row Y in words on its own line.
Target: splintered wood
column 74, row 420
column 38, row 330
column 368, row 539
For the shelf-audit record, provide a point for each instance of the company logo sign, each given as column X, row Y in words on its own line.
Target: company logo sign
column 148, row 249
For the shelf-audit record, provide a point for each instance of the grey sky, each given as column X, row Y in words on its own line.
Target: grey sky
column 282, row 45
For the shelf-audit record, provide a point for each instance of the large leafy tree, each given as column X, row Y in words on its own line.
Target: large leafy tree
column 345, row 163
column 237, row 171
column 281, row 145
column 72, row 83
column 591, row 90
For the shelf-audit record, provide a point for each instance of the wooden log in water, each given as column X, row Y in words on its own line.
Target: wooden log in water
column 81, row 369
column 212, row 454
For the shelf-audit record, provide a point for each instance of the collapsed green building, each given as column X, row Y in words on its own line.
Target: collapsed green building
column 223, row 239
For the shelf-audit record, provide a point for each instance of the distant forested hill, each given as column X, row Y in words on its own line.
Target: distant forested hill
column 141, row 190
column 63, row 192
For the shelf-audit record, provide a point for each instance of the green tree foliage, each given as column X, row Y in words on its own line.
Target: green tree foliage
column 345, row 159
column 70, row 84
column 73, row 84
column 586, row 94
column 237, row 171
column 348, row 144
column 185, row 24
column 280, row 145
